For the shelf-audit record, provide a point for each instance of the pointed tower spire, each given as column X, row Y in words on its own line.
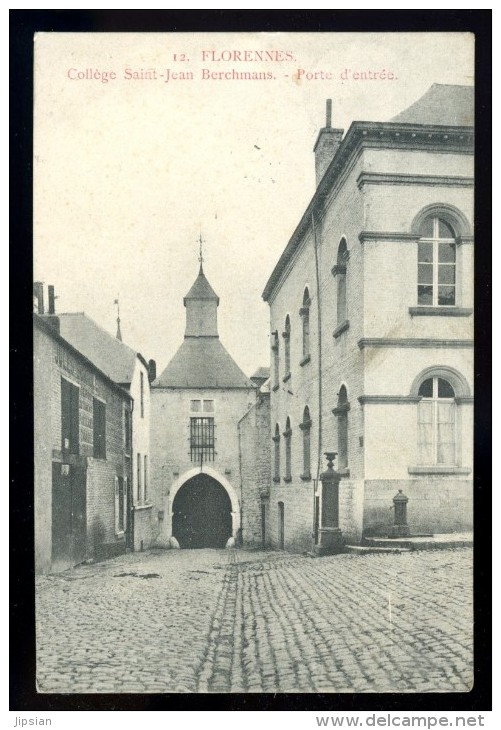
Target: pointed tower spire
column 201, row 304
column 119, row 332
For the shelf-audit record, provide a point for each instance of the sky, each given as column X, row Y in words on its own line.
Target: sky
column 129, row 172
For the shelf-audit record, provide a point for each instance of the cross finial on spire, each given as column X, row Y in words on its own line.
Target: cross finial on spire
column 201, row 254
column 119, row 333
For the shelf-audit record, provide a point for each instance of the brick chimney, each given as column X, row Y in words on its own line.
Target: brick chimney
column 327, row 144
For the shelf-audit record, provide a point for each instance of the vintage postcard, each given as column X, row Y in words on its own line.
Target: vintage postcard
column 253, row 362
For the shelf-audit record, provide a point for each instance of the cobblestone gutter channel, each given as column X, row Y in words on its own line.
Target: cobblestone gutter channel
column 238, row 621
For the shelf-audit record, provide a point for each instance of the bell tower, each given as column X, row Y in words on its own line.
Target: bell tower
column 201, row 304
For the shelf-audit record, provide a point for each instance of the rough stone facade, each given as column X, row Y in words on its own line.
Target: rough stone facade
column 255, row 456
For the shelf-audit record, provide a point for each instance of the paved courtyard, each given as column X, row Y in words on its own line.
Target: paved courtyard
column 244, row 621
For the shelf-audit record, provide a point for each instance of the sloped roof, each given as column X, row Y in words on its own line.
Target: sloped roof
column 201, row 288
column 113, row 357
column 442, row 104
column 202, row 362
column 261, row 372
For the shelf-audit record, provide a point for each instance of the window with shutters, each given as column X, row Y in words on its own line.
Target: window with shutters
column 70, row 421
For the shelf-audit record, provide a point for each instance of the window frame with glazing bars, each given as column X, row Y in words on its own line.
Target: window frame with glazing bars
column 202, row 439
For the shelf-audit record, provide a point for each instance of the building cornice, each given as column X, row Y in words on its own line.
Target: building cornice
column 383, row 178
column 399, row 236
column 412, row 342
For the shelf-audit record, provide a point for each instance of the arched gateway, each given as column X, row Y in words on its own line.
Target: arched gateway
column 205, row 510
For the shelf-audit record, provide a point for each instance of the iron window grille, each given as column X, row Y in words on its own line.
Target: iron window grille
column 202, row 439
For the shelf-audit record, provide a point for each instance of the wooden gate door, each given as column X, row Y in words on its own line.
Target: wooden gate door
column 68, row 515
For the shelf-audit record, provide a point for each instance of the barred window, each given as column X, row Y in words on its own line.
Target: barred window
column 202, row 441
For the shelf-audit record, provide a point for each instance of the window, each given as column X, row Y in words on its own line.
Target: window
column 276, row 359
column 340, row 270
column 145, row 478
column 142, row 394
column 341, row 413
column 202, row 441
column 128, row 430
column 305, row 317
column 305, row 426
column 276, row 461
column 99, row 424
column 207, row 406
column 120, row 492
column 436, row 263
column 287, row 346
column 437, row 422
column 70, row 421
column 288, row 451
column 139, row 478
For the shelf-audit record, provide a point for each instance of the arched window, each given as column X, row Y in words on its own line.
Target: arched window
column 305, row 317
column 276, row 460
column 275, row 358
column 341, row 413
column 288, row 451
column 436, row 263
column 437, row 422
column 287, row 346
column 340, row 269
column 305, row 426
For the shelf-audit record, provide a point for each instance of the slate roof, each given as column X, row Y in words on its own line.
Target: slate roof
column 111, row 356
column 202, row 362
column 261, row 373
column 201, row 288
column 443, row 104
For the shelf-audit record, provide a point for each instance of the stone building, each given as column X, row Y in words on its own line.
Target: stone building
column 81, row 440
column 129, row 369
column 255, row 453
column 371, row 307
column 196, row 405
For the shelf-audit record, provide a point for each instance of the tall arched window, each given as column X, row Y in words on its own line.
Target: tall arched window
column 276, row 358
column 305, row 426
column 276, row 459
column 341, row 268
column 341, row 413
column 287, row 346
column 288, row 450
column 436, row 263
column 437, row 422
column 305, row 317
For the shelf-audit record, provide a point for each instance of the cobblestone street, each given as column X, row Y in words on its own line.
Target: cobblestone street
column 242, row 621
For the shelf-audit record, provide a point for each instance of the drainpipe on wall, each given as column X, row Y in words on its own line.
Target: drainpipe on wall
column 240, row 471
column 319, row 341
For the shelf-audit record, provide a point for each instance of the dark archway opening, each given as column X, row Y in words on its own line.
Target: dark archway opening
column 201, row 514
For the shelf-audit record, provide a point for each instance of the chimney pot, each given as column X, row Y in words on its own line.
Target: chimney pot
column 328, row 113
column 52, row 298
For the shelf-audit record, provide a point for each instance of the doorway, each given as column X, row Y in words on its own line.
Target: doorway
column 281, row 526
column 201, row 514
column 69, row 515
